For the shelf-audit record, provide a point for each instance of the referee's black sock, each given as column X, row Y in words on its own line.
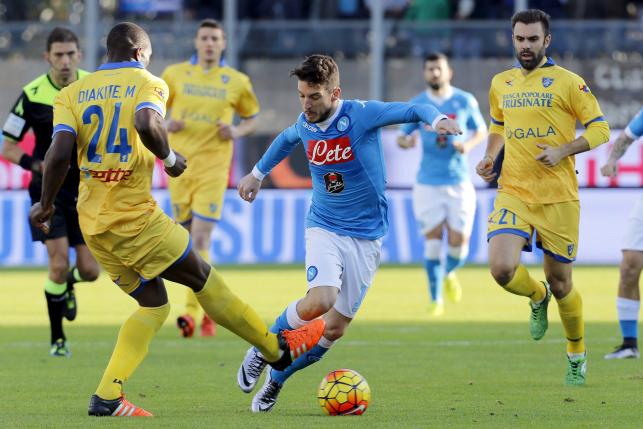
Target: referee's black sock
column 55, row 307
column 55, row 294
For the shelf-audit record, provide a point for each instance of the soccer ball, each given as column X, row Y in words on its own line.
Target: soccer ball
column 344, row 392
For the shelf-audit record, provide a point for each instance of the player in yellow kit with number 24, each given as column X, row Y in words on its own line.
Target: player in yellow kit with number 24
column 205, row 93
column 534, row 109
column 116, row 117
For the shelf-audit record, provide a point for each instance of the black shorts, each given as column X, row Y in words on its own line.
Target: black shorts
column 63, row 223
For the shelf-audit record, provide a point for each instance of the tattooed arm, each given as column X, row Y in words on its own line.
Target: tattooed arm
column 610, row 169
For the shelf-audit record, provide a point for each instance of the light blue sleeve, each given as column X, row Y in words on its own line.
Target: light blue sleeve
column 280, row 148
column 379, row 114
column 635, row 127
column 476, row 120
column 409, row 128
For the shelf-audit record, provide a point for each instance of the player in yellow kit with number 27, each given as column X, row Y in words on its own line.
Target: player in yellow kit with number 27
column 204, row 95
column 534, row 109
column 116, row 117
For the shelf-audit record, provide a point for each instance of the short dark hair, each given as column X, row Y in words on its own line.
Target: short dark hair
column 436, row 56
column 531, row 16
column 62, row 35
column 124, row 38
column 318, row 70
column 210, row 23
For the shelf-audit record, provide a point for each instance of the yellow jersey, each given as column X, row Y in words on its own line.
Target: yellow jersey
column 115, row 166
column 200, row 98
column 542, row 108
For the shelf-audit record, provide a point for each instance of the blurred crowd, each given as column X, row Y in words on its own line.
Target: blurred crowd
column 414, row 10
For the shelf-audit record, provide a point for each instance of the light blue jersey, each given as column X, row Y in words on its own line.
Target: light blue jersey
column 347, row 164
column 441, row 163
column 634, row 129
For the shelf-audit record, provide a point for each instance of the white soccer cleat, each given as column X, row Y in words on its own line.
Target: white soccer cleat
column 250, row 370
column 266, row 397
column 623, row 352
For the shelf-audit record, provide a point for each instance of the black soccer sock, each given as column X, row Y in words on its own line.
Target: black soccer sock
column 55, row 308
column 630, row 342
column 73, row 277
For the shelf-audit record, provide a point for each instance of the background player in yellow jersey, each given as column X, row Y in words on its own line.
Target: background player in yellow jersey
column 534, row 109
column 204, row 96
column 34, row 110
column 115, row 116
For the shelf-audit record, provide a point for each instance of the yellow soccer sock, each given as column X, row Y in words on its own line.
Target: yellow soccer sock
column 229, row 311
column 524, row 285
column 570, row 309
column 131, row 347
column 192, row 306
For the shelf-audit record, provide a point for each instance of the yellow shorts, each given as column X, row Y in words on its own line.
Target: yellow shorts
column 130, row 260
column 556, row 225
column 198, row 196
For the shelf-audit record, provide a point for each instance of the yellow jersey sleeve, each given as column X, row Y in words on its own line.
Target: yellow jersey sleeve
column 153, row 95
column 588, row 112
column 167, row 78
column 64, row 118
column 497, row 124
column 247, row 104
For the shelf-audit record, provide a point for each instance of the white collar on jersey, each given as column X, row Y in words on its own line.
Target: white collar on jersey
column 440, row 100
column 324, row 125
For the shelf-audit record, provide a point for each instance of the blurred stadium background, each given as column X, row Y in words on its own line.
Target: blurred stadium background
column 379, row 45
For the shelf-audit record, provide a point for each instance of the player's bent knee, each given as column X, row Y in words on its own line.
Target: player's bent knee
column 89, row 274
column 58, row 268
column 502, row 273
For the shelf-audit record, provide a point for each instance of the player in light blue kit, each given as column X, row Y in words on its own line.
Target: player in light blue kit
column 628, row 301
column 443, row 195
column 347, row 217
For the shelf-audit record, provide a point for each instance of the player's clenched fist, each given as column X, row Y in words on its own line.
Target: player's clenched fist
column 485, row 169
column 610, row 169
column 448, row 126
column 248, row 187
column 179, row 166
column 39, row 216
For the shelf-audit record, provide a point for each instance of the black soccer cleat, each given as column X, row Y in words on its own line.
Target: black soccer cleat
column 70, row 307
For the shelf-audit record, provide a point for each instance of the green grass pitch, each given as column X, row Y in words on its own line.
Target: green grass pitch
column 474, row 367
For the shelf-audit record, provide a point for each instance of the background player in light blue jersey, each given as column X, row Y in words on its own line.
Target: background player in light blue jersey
column 628, row 301
column 443, row 196
column 347, row 217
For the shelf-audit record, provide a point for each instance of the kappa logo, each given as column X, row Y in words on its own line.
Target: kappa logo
column 332, row 151
column 309, row 127
column 570, row 249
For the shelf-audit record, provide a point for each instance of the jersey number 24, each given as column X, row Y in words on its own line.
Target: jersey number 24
column 123, row 149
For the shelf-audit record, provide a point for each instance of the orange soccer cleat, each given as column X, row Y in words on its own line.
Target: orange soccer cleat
column 208, row 327
column 119, row 407
column 186, row 325
column 301, row 340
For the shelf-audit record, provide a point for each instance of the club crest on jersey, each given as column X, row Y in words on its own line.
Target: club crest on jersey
column 570, row 249
column 311, row 273
column 334, row 182
column 547, row 81
column 343, row 123
column 331, row 151
column 225, row 78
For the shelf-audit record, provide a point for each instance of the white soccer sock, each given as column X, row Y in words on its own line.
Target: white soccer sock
column 432, row 249
column 292, row 316
column 325, row 342
column 458, row 252
column 627, row 309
